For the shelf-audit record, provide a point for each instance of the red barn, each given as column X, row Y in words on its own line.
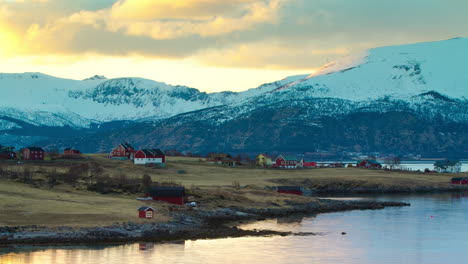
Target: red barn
column 462, row 181
column 150, row 156
column 70, row 151
column 310, row 164
column 173, row 195
column 288, row 162
column 290, row 190
column 369, row 164
column 122, row 152
column 7, row 152
column 33, row 153
column 146, row 212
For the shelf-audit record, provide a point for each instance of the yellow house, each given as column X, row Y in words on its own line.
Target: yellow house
column 264, row 160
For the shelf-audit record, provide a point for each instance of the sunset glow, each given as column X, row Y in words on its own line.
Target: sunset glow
column 207, row 44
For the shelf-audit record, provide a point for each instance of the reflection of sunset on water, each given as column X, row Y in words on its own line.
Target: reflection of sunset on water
column 431, row 230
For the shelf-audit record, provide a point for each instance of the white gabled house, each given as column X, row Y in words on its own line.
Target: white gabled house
column 447, row 166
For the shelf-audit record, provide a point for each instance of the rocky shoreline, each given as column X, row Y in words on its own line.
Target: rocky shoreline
column 188, row 225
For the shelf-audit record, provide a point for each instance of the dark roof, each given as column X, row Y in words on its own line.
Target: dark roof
column 146, row 208
column 445, row 163
column 6, row 149
column 289, row 188
column 459, row 179
column 167, row 191
column 152, row 152
column 68, row 149
column 126, row 145
column 35, row 149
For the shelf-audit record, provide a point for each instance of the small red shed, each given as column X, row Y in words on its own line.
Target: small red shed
column 146, row 212
column 173, row 195
column 297, row 190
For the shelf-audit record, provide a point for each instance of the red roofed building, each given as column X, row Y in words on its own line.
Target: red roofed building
column 173, row 195
column 150, row 156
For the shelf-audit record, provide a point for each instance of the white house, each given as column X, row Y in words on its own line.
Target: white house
column 447, row 166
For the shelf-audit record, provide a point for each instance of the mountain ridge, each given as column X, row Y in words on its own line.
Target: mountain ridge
column 425, row 82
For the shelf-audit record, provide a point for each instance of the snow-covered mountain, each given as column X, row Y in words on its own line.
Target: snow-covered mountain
column 425, row 81
column 46, row 100
column 397, row 71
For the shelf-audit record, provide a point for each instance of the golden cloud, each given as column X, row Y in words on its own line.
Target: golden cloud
column 277, row 55
column 169, row 19
column 174, row 9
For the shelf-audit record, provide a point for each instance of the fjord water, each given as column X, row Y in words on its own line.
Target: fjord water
column 433, row 230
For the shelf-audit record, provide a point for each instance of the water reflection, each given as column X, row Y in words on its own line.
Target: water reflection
column 292, row 219
column 432, row 230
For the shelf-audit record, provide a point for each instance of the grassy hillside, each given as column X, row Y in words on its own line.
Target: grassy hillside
column 32, row 199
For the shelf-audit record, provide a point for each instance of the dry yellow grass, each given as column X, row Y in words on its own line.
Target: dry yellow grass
column 21, row 204
column 198, row 172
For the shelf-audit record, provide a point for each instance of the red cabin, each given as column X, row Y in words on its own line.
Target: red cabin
column 33, row 153
column 173, row 195
column 70, row 151
column 290, row 190
column 122, row 152
column 146, row 212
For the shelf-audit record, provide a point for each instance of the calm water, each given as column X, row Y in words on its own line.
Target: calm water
column 413, row 165
column 432, row 230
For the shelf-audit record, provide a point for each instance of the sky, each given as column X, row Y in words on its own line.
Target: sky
column 212, row 45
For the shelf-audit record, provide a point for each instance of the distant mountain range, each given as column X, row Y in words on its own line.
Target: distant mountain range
column 398, row 99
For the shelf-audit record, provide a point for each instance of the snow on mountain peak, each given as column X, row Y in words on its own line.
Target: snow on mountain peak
column 96, row 77
column 341, row 65
column 398, row 71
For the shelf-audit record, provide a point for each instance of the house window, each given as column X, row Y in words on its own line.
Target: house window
column 149, row 214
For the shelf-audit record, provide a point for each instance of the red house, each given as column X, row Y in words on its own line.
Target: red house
column 122, row 152
column 290, row 190
column 70, row 151
column 7, row 152
column 173, row 195
column 150, row 156
column 146, row 212
column 369, row 164
column 33, row 153
column 288, row 162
